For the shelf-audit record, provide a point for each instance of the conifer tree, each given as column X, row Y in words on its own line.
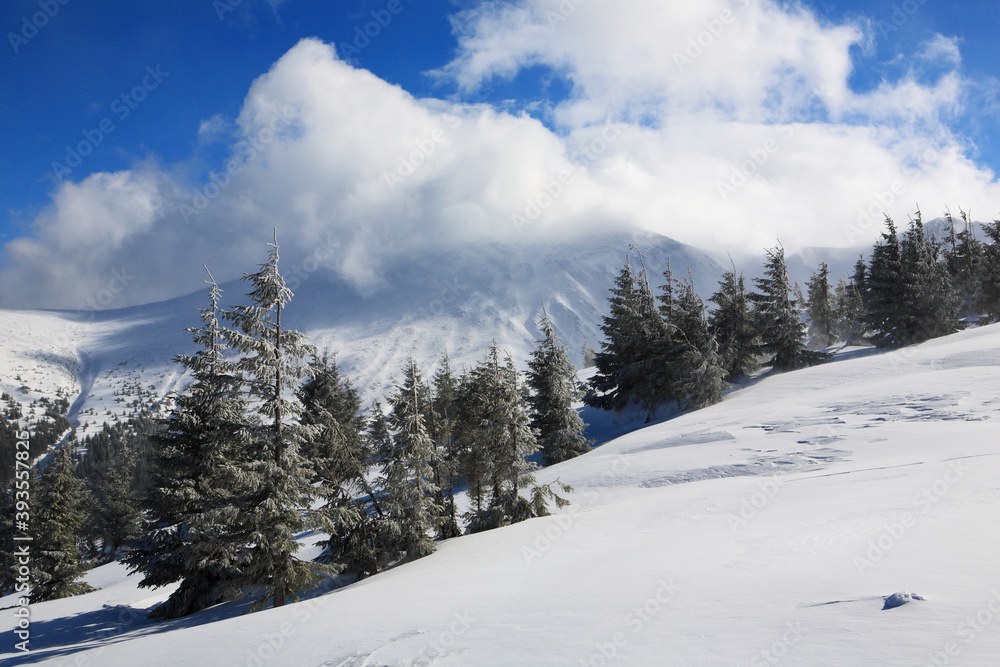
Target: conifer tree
column 849, row 310
column 988, row 303
column 555, row 387
column 8, row 508
column 407, row 476
column 58, row 519
column 820, row 309
column 928, row 306
column 191, row 503
column 119, row 513
column 780, row 328
column 496, row 423
column 883, row 289
column 338, row 453
column 447, row 448
column 732, row 327
column 275, row 507
column 698, row 373
column 963, row 257
column 613, row 383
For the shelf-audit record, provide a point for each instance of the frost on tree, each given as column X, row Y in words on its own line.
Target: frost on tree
column 187, row 537
column 274, row 506
column 554, row 388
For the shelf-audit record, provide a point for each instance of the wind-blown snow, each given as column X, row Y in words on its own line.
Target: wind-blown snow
column 830, row 489
column 456, row 301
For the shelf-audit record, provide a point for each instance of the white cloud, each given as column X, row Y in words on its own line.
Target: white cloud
column 213, row 129
column 751, row 134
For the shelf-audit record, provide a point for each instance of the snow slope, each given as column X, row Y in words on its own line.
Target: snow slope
column 456, row 301
column 764, row 530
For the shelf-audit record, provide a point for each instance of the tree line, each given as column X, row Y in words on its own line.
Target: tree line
column 669, row 350
column 269, row 441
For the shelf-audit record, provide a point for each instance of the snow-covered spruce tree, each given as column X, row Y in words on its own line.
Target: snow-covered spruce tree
column 928, row 307
column 447, row 448
column 634, row 333
column 120, row 513
column 498, row 424
column 780, row 328
column 698, row 373
column 964, row 258
column 338, row 452
column 407, row 476
column 883, row 295
column 275, row 507
column 849, row 306
column 195, row 481
column 609, row 392
column 732, row 327
column 58, row 518
column 988, row 303
column 554, row 388
column 820, row 309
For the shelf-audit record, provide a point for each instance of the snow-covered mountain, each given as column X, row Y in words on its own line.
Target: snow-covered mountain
column 765, row 530
column 454, row 301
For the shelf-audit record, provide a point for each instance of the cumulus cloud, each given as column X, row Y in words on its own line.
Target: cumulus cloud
column 721, row 124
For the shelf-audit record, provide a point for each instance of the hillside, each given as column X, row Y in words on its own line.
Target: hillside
column 767, row 529
column 454, row 301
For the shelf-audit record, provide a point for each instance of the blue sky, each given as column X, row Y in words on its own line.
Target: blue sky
column 156, row 89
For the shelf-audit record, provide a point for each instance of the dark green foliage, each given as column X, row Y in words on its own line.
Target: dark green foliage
column 190, row 505
column 928, row 307
column 275, row 477
column 338, row 452
column 696, row 371
column 820, row 308
column 447, row 449
column 781, row 331
column 988, row 301
column 964, row 257
column 495, row 429
column 407, row 474
column 634, row 334
column 8, row 561
column 554, row 389
column 44, row 434
column 884, row 289
column 119, row 513
column 732, row 327
column 58, row 518
column 849, row 307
